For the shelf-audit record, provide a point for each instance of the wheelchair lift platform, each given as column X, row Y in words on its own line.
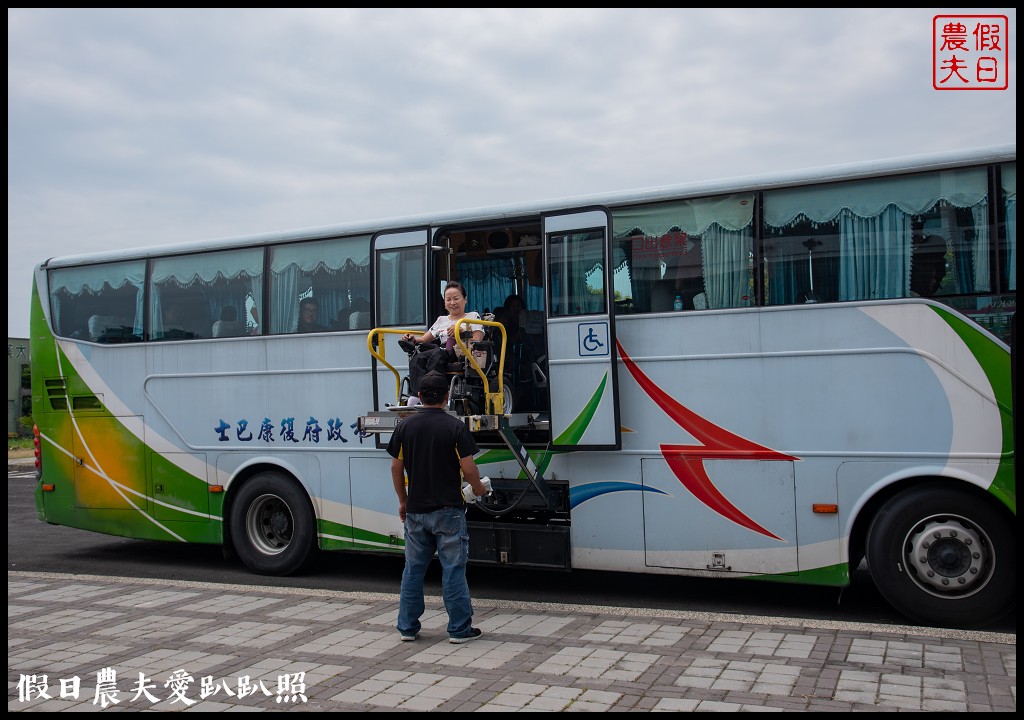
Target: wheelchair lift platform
column 378, row 422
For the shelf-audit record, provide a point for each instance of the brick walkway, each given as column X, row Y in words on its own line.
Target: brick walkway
column 167, row 645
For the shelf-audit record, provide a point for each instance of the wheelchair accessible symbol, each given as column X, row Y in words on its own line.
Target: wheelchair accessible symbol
column 593, row 338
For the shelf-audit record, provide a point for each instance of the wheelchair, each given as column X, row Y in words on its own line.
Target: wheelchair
column 465, row 388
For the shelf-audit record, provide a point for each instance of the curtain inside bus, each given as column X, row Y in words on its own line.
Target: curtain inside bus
column 335, row 272
column 194, row 289
column 859, row 240
column 1008, row 175
column 79, row 296
column 698, row 249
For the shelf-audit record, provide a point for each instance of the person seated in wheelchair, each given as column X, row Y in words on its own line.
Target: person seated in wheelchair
column 436, row 349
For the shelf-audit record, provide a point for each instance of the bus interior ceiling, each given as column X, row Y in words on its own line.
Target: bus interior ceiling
column 495, row 262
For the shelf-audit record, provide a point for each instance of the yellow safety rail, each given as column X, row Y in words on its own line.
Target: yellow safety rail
column 493, row 401
column 374, row 340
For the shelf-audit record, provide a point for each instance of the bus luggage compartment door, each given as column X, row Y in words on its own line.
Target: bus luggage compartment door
column 536, row 546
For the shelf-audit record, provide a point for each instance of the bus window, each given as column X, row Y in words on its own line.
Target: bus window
column 401, row 288
column 1008, row 250
column 335, row 272
column 858, row 240
column 577, row 273
column 188, row 293
column 102, row 303
column 698, row 250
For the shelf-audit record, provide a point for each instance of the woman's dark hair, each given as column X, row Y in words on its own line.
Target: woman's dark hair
column 455, row 284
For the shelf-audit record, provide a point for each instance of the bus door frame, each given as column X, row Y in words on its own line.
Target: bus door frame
column 582, row 360
column 387, row 241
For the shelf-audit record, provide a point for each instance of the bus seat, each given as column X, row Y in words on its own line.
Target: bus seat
column 229, row 325
column 99, row 325
column 700, row 301
column 532, row 322
column 663, row 294
column 540, row 379
column 359, row 320
column 228, row 328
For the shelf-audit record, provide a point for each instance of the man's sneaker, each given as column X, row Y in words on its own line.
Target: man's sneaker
column 409, row 637
column 474, row 633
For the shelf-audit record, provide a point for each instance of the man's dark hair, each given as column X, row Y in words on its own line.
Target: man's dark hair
column 433, row 387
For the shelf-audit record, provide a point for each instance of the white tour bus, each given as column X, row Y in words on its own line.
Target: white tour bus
column 773, row 377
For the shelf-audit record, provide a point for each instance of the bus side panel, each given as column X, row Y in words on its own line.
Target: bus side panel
column 975, row 370
column 105, row 478
column 672, row 520
column 170, row 502
column 219, row 402
column 607, row 511
column 257, row 404
column 375, row 521
column 821, row 385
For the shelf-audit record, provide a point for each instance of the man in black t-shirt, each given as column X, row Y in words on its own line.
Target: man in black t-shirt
column 435, row 451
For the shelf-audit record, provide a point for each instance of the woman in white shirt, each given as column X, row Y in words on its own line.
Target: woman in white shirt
column 438, row 357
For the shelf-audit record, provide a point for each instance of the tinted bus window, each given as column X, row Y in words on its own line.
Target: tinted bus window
column 190, row 293
column 915, row 235
column 334, row 273
column 101, row 303
column 698, row 250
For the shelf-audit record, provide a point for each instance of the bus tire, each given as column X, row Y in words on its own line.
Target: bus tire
column 943, row 557
column 273, row 528
column 507, row 396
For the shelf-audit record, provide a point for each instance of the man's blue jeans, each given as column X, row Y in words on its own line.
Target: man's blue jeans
column 443, row 531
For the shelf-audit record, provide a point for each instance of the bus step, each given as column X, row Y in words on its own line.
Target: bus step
column 385, row 421
column 534, row 546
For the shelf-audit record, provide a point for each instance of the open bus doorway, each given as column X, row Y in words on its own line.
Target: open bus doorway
column 502, row 269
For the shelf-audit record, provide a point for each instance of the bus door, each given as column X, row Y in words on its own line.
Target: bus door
column 581, row 331
column 400, row 266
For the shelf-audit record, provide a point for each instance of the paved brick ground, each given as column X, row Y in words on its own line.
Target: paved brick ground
column 81, row 643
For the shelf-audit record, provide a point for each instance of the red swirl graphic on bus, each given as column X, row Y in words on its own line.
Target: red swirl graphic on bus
column 687, row 461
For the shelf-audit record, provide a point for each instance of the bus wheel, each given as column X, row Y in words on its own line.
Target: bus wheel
column 943, row 557
column 506, row 396
column 272, row 525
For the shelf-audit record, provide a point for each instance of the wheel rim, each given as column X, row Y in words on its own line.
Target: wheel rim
column 456, row 395
column 269, row 524
column 947, row 556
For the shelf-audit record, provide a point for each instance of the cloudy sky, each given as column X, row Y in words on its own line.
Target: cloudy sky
column 137, row 127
